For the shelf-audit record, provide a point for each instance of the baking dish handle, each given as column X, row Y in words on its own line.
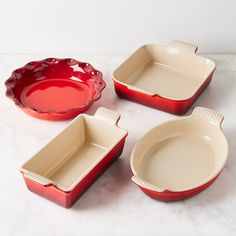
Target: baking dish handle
column 38, row 178
column 207, row 114
column 107, row 115
column 188, row 47
column 142, row 183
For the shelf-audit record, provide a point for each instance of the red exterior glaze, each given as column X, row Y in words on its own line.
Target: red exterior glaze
column 55, row 117
column 55, row 89
column 169, row 196
column 67, row 199
column 161, row 103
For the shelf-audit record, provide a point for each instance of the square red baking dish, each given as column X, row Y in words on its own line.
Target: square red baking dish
column 166, row 78
column 74, row 159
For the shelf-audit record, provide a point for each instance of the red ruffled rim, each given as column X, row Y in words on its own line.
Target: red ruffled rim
column 95, row 79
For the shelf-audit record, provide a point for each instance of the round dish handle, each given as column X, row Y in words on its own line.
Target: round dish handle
column 107, row 115
column 207, row 114
column 188, row 47
column 142, row 183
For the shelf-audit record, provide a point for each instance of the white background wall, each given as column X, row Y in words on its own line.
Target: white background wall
column 102, row 26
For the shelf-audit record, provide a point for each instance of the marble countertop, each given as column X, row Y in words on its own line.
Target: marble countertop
column 113, row 205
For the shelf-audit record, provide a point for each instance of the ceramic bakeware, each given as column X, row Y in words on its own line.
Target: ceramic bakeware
column 166, row 78
column 55, row 89
column 75, row 158
column 180, row 158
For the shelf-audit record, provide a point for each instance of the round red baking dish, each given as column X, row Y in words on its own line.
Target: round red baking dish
column 55, row 89
column 180, row 158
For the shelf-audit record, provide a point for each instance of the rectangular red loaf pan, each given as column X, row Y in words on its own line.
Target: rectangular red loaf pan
column 74, row 159
column 166, row 78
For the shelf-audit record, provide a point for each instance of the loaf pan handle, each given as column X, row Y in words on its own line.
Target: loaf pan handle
column 38, row 178
column 107, row 115
column 208, row 114
column 142, row 183
column 188, row 47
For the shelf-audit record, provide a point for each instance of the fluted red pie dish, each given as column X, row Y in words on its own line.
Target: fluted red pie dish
column 55, row 89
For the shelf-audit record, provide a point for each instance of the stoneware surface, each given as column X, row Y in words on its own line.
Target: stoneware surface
column 113, row 205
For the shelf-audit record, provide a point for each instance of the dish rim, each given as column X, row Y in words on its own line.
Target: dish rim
column 177, row 50
column 163, row 189
column 51, row 182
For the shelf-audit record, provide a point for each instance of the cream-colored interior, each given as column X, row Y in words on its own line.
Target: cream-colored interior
column 166, row 71
column 75, row 151
column 180, row 155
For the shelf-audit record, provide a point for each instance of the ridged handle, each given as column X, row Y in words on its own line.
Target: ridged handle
column 207, row 114
column 38, row 178
column 107, row 115
column 142, row 183
column 188, row 47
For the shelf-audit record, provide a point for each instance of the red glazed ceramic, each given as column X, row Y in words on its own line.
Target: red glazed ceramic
column 55, row 89
column 180, row 158
column 166, row 78
column 74, row 159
